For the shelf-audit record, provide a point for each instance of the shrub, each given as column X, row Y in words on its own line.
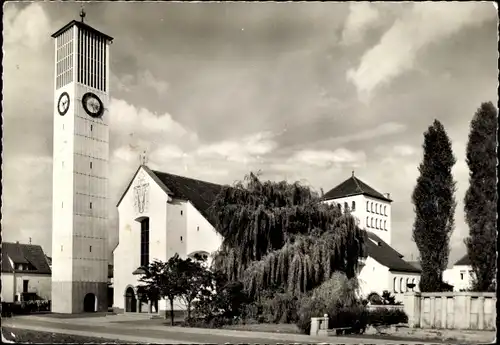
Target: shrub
column 282, row 308
column 386, row 317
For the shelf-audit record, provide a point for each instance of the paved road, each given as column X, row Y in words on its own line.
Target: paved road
column 174, row 335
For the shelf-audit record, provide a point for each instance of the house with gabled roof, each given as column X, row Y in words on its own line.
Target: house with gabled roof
column 460, row 275
column 26, row 272
column 384, row 268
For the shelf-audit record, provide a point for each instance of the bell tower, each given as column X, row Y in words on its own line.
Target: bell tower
column 80, row 169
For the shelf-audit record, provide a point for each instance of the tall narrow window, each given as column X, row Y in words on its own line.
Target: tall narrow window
column 394, row 285
column 90, row 165
column 385, row 210
column 91, row 127
column 145, row 242
column 371, row 207
column 367, row 206
column 385, row 228
column 367, row 223
column 353, row 206
column 25, row 285
column 90, row 205
column 371, row 222
column 346, row 206
column 90, row 249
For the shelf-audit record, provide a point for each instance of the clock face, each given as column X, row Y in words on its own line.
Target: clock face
column 92, row 105
column 63, row 104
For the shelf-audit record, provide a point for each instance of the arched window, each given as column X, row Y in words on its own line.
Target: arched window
column 371, row 222
column 394, row 285
column 400, row 284
column 353, row 206
column 376, row 208
column 376, row 223
column 144, row 241
column 339, row 207
column 407, row 282
column 385, row 226
column 385, row 210
column 367, row 206
column 371, row 207
column 367, row 224
column 346, row 206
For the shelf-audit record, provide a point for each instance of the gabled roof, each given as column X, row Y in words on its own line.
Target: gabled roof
column 415, row 264
column 386, row 255
column 353, row 186
column 200, row 193
column 24, row 254
column 464, row 261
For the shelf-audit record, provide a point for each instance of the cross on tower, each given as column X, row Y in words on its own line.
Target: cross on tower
column 143, row 158
column 82, row 14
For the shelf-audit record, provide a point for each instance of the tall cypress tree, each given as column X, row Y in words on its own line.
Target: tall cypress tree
column 434, row 201
column 481, row 197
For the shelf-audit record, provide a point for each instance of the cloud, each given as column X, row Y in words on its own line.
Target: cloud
column 362, row 16
column 401, row 150
column 418, row 27
column 245, row 151
column 325, row 158
column 144, row 79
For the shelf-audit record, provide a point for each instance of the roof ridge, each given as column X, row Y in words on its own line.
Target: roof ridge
column 187, row 178
column 357, row 184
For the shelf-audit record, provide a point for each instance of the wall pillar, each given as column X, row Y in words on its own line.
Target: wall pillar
column 433, row 312
column 412, row 308
column 481, row 313
column 315, row 322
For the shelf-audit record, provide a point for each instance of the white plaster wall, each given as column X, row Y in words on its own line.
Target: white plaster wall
column 176, row 239
column 201, row 235
column 7, row 287
column 373, row 277
column 364, row 215
column 126, row 256
column 453, row 277
column 397, row 283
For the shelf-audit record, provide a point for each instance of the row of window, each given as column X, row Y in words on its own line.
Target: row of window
column 91, row 56
column 376, row 208
column 376, row 223
column 404, row 287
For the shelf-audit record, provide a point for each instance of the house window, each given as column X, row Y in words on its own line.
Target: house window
column 376, row 223
column 385, row 210
column 145, row 242
column 407, row 282
column 371, row 206
column 394, row 285
column 198, row 228
column 25, row 285
column 345, row 206
column 376, row 208
column 385, row 226
column 462, row 273
column 367, row 206
column 353, row 206
column 61, row 248
column 371, row 222
column 400, row 284
column 367, row 224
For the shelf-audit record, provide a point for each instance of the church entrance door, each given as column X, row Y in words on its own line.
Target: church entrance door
column 130, row 301
column 89, row 303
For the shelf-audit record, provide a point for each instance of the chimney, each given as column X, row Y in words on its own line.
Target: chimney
column 388, row 195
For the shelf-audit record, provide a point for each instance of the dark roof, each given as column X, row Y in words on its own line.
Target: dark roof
column 464, row 261
column 353, row 186
column 200, row 193
column 24, row 254
column 415, row 264
column 81, row 25
column 386, row 255
column 49, row 260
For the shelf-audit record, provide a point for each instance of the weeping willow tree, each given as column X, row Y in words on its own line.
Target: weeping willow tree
column 278, row 234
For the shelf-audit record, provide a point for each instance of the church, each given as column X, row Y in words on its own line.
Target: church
column 161, row 214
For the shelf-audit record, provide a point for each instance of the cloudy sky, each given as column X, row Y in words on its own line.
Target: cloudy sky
column 302, row 91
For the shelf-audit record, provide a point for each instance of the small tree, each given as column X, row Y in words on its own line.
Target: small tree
column 435, row 204
column 481, row 198
column 195, row 279
column 166, row 279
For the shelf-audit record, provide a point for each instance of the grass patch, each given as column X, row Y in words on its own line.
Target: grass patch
column 266, row 327
column 29, row 336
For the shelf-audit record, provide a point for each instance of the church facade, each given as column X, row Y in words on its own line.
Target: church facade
column 160, row 214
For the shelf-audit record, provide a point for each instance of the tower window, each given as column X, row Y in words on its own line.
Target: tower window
column 90, row 165
column 181, row 238
column 90, row 249
column 91, row 204
column 63, row 164
column 91, row 127
column 61, row 248
column 181, row 213
column 198, row 228
column 145, row 242
column 353, row 207
column 62, row 204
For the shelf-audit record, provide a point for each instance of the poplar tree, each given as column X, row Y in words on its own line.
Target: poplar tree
column 480, row 203
column 434, row 206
